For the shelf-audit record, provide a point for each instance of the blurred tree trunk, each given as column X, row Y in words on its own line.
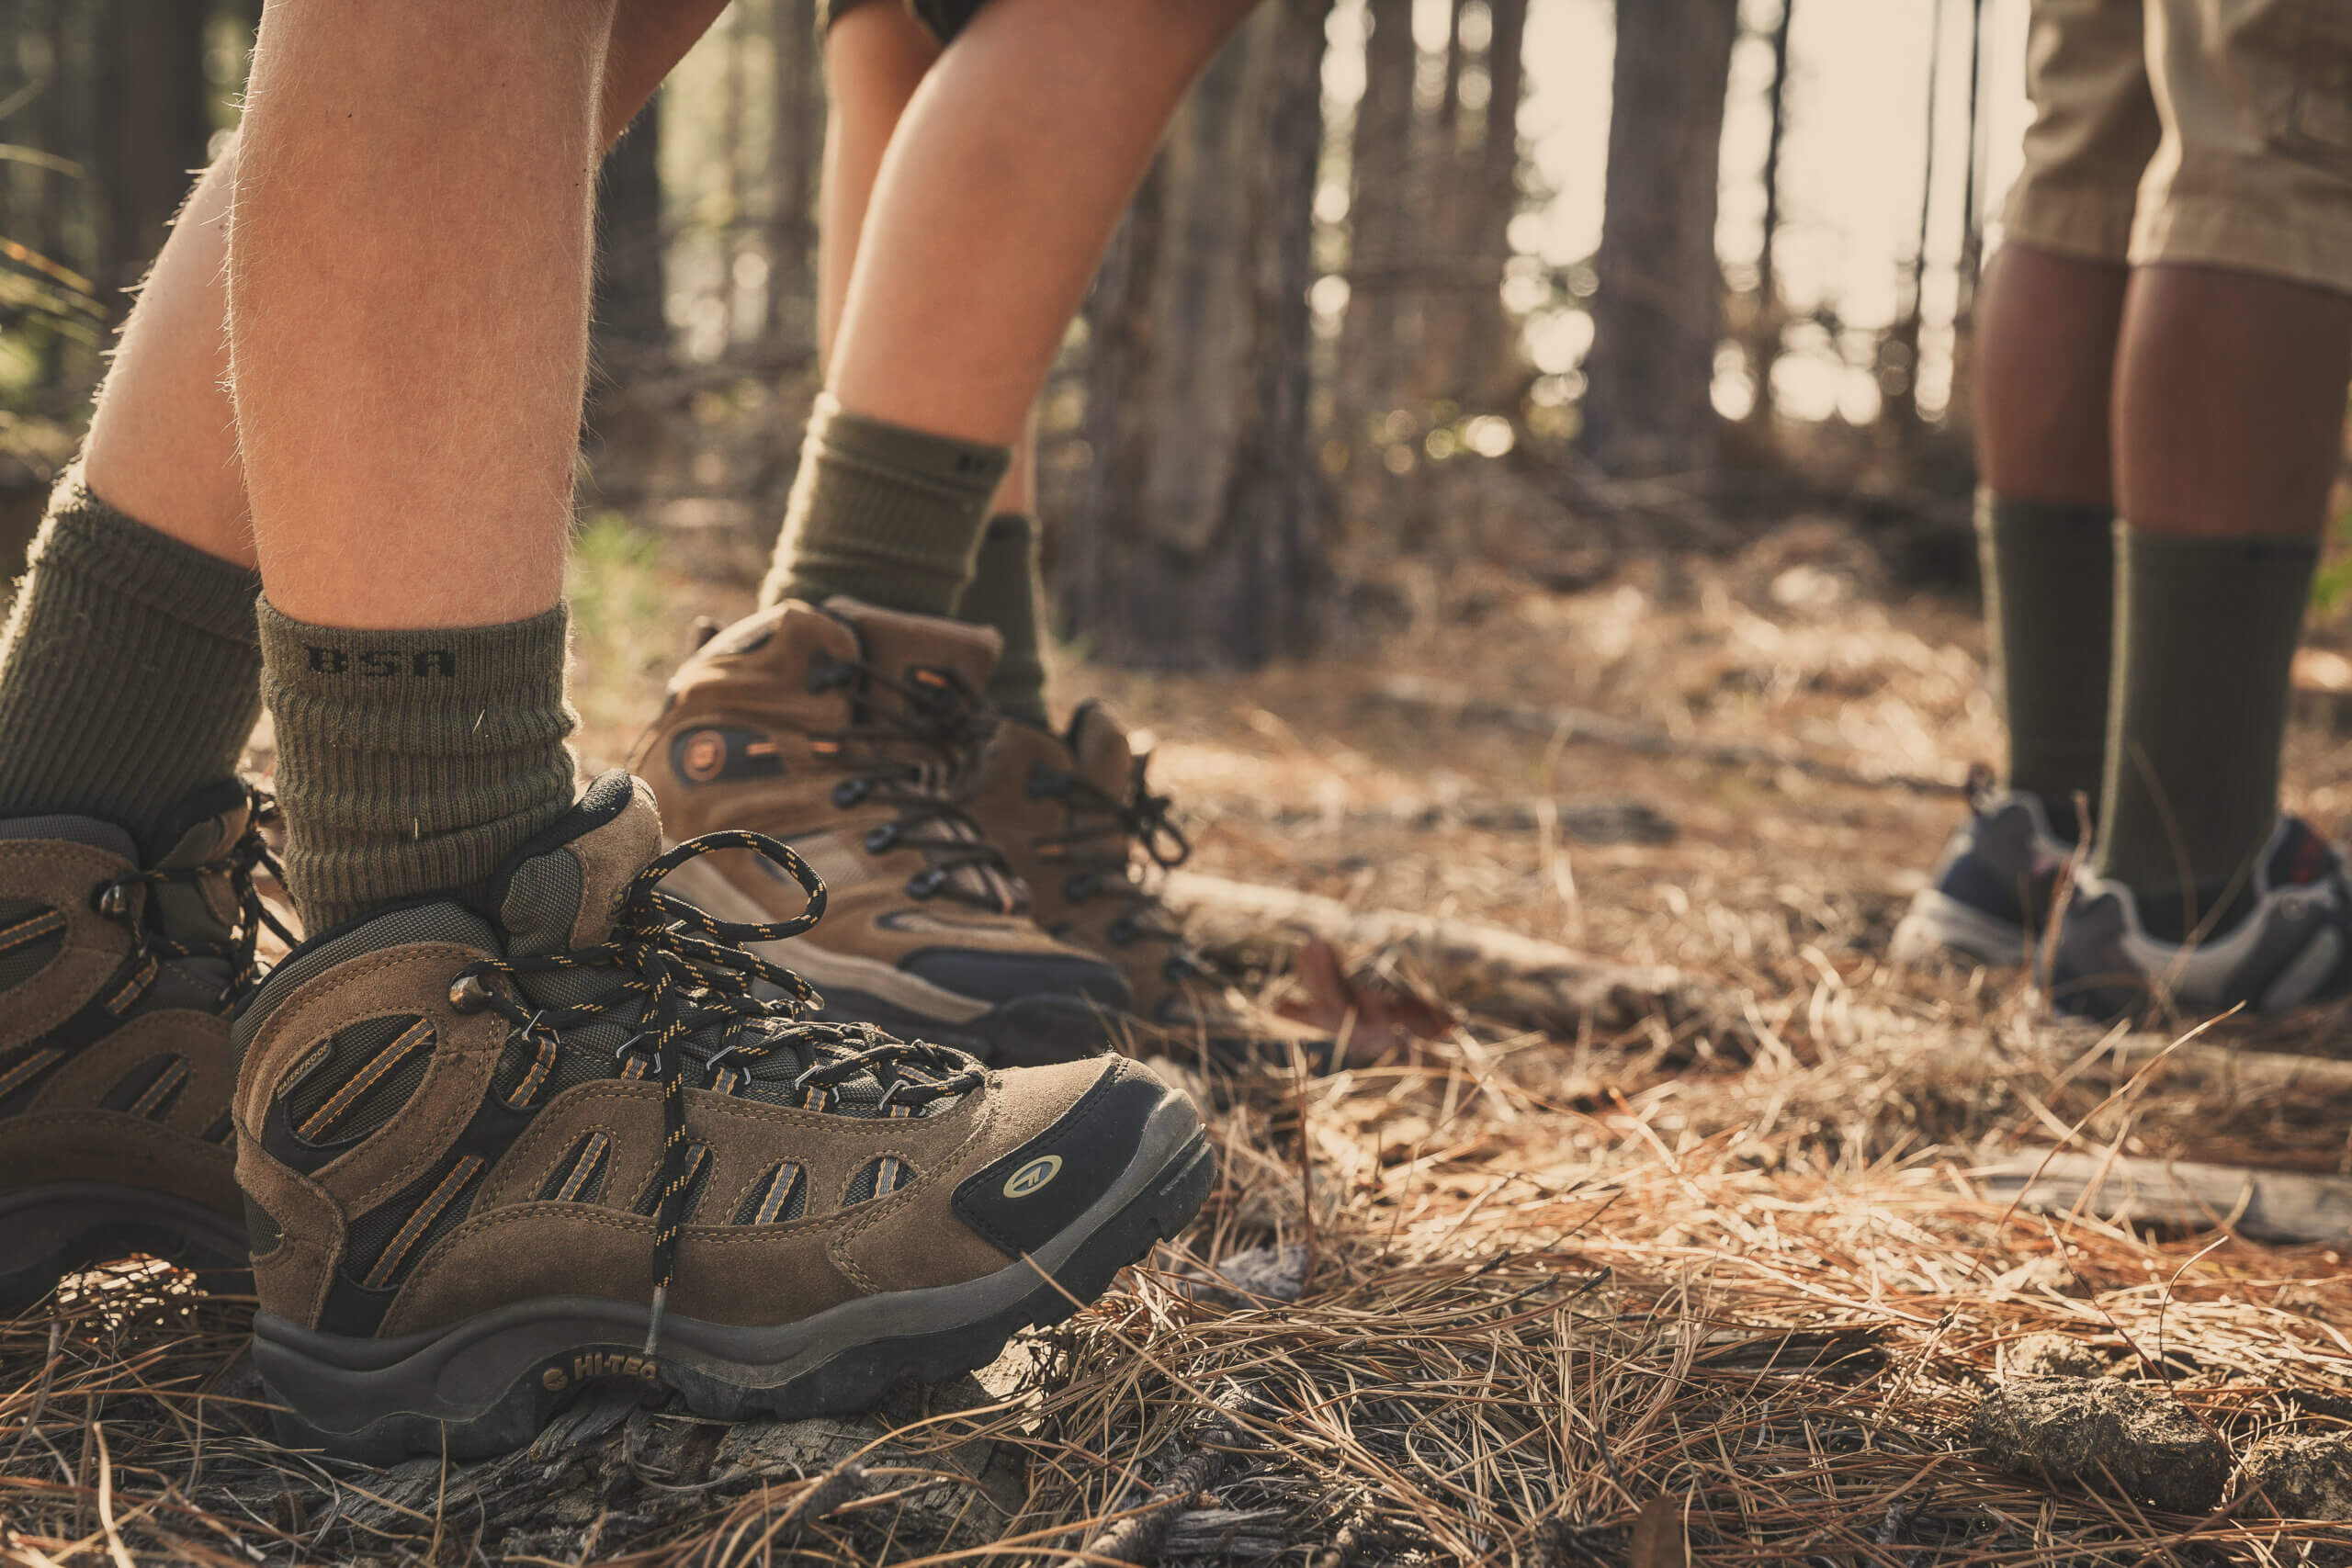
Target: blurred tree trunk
column 1898, row 356
column 1657, row 313
column 153, row 126
column 631, row 337
column 632, row 292
column 1371, row 344
column 1959, row 412
column 1490, row 377
column 1766, row 319
column 1196, row 541
column 796, row 146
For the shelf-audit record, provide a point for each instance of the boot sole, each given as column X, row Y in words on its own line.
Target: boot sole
column 491, row 1382
column 48, row 1232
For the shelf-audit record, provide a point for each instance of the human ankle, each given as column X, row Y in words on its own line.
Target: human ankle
column 412, row 762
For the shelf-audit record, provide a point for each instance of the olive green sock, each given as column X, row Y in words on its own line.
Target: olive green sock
column 883, row 512
column 412, row 762
column 2049, row 616
column 1005, row 593
column 2205, row 638
column 132, row 672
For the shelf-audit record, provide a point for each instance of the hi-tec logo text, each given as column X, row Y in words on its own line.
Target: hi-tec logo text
column 604, row 1364
column 424, row 664
column 1034, row 1175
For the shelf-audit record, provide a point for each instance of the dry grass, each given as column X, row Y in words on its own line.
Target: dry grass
column 1726, row 1277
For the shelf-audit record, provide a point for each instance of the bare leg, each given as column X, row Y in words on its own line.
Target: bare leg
column 995, row 199
column 2047, row 330
column 2229, row 403
column 163, row 443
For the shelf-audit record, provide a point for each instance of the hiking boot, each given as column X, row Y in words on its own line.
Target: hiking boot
column 2293, row 946
column 851, row 733
column 1079, row 822
column 1993, row 889
column 551, row 1135
column 119, row 969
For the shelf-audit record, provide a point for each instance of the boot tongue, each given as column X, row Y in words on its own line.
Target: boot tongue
column 906, row 648
column 563, row 888
column 204, row 827
column 1098, row 744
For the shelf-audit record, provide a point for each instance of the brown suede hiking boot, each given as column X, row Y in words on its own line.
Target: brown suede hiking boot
column 850, row 733
column 550, row 1137
column 1073, row 812
column 119, row 971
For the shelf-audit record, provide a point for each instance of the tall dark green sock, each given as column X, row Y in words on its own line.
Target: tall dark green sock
column 2049, row 603
column 1005, row 593
column 131, row 674
column 883, row 512
column 2205, row 639
column 412, row 762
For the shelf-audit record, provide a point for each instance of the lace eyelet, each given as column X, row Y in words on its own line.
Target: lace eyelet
column 850, row 793
column 113, row 901
column 467, row 994
column 1121, row 932
column 824, row 672
column 880, row 840
column 925, row 884
column 1079, row 886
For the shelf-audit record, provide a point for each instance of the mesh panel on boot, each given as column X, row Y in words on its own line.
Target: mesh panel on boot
column 365, row 1072
column 578, row 1177
column 879, row 1179
column 151, row 1089
column 778, row 1198
column 384, row 1245
column 698, row 1168
column 30, row 934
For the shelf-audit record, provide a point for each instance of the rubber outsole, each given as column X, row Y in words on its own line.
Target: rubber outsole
column 1028, row 1032
column 48, row 1232
column 854, row 1378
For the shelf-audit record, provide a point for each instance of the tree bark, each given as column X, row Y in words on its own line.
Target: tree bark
column 153, row 131
column 1491, row 373
column 796, row 143
column 1657, row 314
column 1767, row 321
column 631, row 284
column 1373, row 338
column 1195, row 543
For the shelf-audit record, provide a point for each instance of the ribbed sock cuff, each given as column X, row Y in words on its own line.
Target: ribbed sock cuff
column 412, row 762
column 883, row 512
column 1005, row 593
column 130, row 675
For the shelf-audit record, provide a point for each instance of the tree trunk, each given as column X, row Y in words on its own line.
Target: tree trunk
column 1491, row 373
column 1898, row 374
column 796, row 145
column 632, row 291
column 1371, row 344
column 1657, row 314
column 1958, row 407
column 1766, row 322
column 1195, row 542
column 153, row 128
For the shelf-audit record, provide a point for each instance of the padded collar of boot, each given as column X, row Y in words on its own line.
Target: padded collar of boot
column 563, row 888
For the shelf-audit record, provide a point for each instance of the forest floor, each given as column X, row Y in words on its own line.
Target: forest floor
column 1709, row 1260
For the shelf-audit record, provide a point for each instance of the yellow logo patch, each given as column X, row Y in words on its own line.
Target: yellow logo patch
column 1033, row 1175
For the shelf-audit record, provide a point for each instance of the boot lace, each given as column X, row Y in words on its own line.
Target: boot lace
column 938, row 713
column 1104, row 830
column 686, row 987
column 237, row 863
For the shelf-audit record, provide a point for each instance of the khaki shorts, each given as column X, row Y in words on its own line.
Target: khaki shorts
column 2207, row 132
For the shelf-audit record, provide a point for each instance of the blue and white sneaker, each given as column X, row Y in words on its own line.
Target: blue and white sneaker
column 2293, row 946
column 1993, row 889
